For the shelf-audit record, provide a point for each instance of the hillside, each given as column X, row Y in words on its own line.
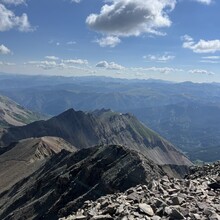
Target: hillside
column 21, row 159
column 84, row 130
column 12, row 114
column 69, row 179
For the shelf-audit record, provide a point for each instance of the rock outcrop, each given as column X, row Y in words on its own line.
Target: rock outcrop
column 67, row 180
column 165, row 199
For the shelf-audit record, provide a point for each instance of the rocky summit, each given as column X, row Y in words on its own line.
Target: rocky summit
column 191, row 198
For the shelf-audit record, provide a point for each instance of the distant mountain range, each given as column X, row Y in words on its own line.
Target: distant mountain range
column 187, row 114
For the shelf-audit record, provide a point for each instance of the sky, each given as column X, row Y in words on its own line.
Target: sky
column 175, row 40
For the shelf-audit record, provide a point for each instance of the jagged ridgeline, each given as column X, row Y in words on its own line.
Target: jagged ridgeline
column 113, row 153
column 103, row 127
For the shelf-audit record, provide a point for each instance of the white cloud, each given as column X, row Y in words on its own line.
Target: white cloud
column 200, row 71
column 202, row 46
column 206, row 2
column 54, row 63
column 4, row 50
column 46, row 65
column 124, row 18
column 211, row 59
column 75, row 1
column 109, row 65
column 110, row 41
column 13, row 2
column 77, row 62
column 164, row 70
column 8, row 20
column 71, row 43
column 52, row 58
column 159, row 58
column 6, row 63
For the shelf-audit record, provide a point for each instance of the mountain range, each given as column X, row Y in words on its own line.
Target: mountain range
column 186, row 114
column 50, row 168
column 103, row 127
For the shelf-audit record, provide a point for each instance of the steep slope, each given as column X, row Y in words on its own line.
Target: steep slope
column 100, row 127
column 191, row 198
column 69, row 179
column 12, row 114
column 22, row 158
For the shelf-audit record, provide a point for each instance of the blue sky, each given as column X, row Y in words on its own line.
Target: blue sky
column 176, row 40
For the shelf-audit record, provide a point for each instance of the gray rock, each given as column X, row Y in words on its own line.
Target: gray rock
column 146, row 209
column 102, row 217
column 175, row 214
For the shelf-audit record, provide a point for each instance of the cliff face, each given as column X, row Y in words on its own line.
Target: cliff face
column 85, row 130
column 69, row 179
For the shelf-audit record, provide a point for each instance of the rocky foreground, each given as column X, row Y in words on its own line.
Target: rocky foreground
column 195, row 197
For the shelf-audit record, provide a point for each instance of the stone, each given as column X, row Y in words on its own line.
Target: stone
column 156, row 217
column 146, row 209
column 176, row 200
column 102, row 217
column 214, row 216
column 175, row 214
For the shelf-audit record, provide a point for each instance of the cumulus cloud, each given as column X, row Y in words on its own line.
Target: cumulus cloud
column 4, row 50
column 159, row 58
column 8, row 20
column 110, row 65
column 13, row 2
column 77, row 62
column 202, row 46
column 52, row 58
column 206, row 2
column 201, row 71
column 124, row 18
column 109, row 41
column 46, row 65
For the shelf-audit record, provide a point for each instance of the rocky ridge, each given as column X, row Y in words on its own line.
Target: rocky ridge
column 67, row 180
column 104, row 127
column 163, row 199
column 21, row 159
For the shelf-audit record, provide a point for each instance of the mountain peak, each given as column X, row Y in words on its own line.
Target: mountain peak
column 105, row 127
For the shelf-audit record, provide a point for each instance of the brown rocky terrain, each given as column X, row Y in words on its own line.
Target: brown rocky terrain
column 192, row 198
column 21, row 159
column 85, row 130
column 12, row 114
column 69, row 179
